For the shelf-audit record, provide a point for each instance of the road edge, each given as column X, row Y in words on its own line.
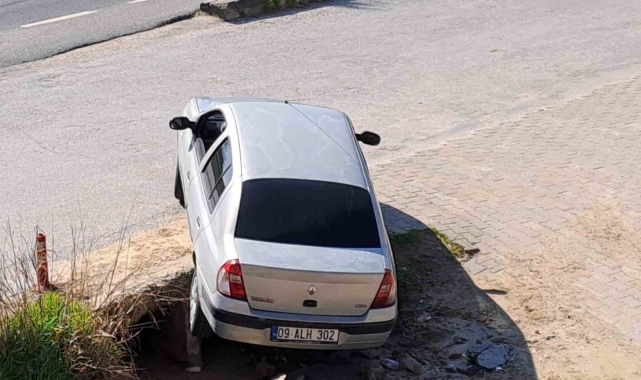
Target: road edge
column 235, row 9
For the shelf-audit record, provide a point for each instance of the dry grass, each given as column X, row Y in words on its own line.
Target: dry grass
column 80, row 330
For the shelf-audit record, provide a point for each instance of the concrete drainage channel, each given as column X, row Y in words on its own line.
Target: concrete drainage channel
column 232, row 10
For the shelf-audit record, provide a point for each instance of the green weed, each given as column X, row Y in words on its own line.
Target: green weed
column 273, row 5
column 414, row 236
column 455, row 248
column 52, row 338
column 404, row 239
column 67, row 334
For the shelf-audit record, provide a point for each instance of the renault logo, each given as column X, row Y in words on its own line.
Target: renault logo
column 312, row 290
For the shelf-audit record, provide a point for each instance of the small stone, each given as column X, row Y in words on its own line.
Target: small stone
column 265, row 369
column 459, row 340
column 412, row 365
column 474, row 350
column 463, row 368
column 423, row 318
column 494, row 356
column 391, row 364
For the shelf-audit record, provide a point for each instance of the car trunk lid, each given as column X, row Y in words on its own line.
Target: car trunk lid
column 310, row 280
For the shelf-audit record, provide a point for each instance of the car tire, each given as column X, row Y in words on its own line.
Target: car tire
column 198, row 324
column 178, row 188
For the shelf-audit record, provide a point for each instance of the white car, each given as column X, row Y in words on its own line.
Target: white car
column 289, row 245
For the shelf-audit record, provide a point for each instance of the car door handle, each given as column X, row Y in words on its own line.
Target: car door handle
column 198, row 221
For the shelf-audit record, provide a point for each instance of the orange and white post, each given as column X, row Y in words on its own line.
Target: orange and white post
column 42, row 267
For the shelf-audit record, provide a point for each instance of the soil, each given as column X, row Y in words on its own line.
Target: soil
column 529, row 313
column 151, row 259
column 443, row 319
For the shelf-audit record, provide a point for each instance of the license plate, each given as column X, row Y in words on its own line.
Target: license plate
column 299, row 334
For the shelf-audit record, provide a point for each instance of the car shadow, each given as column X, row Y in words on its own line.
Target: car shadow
column 351, row 4
column 434, row 286
column 447, row 328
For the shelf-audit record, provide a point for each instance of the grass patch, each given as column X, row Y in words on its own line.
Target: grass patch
column 77, row 332
column 55, row 338
column 404, row 239
column 403, row 275
column 273, row 5
column 412, row 237
column 292, row 3
column 455, row 248
column 400, row 242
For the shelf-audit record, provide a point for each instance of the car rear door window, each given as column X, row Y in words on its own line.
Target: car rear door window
column 305, row 212
column 218, row 174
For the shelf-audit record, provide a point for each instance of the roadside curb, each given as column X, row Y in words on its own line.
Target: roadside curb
column 232, row 10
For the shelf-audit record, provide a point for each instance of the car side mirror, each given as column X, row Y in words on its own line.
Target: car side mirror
column 180, row 123
column 369, row 138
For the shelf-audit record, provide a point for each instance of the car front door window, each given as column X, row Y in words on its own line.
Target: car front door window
column 210, row 127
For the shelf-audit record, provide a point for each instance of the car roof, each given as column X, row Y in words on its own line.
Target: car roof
column 287, row 140
column 206, row 103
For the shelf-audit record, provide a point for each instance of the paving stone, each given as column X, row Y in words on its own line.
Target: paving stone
column 513, row 188
column 474, row 267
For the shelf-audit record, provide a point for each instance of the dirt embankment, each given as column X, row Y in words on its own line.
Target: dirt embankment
column 450, row 325
column 446, row 327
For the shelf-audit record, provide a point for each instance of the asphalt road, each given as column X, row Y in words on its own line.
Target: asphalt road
column 85, row 135
column 31, row 30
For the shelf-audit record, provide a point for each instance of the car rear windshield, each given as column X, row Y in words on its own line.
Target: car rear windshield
column 304, row 212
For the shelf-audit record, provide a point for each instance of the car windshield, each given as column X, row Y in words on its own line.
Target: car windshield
column 303, row 212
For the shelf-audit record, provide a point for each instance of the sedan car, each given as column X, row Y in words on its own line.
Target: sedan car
column 289, row 245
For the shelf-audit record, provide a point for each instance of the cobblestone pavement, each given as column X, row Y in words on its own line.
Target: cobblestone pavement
column 561, row 185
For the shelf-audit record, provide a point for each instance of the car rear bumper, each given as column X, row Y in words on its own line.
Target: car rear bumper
column 257, row 330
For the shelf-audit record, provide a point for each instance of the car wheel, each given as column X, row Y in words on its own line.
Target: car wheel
column 198, row 324
column 178, row 188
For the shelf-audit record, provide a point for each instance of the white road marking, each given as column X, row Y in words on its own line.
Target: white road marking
column 49, row 21
column 136, row 1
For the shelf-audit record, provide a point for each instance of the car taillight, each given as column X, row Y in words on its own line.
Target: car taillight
column 230, row 281
column 386, row 295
